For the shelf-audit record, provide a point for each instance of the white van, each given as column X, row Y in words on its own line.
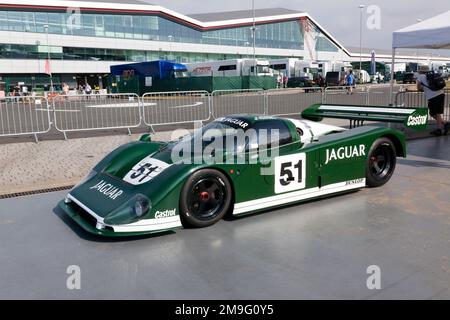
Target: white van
column 230, row 68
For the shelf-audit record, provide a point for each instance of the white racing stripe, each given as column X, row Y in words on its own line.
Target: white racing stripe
column 290, row 197
column 368, row 109
column 150, row 225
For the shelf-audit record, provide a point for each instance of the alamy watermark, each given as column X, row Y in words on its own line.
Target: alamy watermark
column 73, row 20
column 373, row 21
column 373, row 282
column 73, row 281
column 226, row 141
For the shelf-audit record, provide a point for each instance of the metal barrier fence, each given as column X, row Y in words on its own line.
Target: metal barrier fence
column 345, row 95
column 291, row 101
column 175, row 107
column 379, row 95
column 33, row 116
column 412, row 98
column 225, row 102
column 24, row 116
column 96, row 112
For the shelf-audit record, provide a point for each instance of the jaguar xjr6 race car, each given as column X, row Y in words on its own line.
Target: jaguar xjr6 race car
column 140, row 188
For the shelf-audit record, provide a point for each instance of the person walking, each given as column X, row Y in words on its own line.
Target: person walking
column 350, row 81
column 435, row 98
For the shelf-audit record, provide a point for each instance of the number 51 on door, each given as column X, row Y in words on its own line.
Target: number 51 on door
column 290, row 172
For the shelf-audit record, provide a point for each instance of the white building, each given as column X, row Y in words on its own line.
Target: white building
column 84, row 38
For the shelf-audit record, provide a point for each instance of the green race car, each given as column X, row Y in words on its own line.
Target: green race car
column 233, row 166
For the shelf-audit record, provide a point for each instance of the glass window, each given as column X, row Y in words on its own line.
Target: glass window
column 99, row 26
column 40, row 21
column 28, row 19
column 55, row 22
column 109, row 26
column 268, row 128
column 119, row 26
column 137, row 27
column 4, row 20
column 324, row 44
column 16, row 21
column 286, row 35
column 88, row 25
column 127, row 27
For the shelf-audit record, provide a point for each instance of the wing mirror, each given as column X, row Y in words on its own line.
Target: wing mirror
column 146, row 137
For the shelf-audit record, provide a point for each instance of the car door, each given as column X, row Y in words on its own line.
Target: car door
column 276, row 168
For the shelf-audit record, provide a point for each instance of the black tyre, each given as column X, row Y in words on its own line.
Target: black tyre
column 380, row 162
column 205, row 198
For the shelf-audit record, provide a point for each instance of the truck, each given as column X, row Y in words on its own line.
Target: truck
column 442, row 69
column 150, row 70
column 295, row 68
column 143, row 76
column 230, row 68
column 333, row 71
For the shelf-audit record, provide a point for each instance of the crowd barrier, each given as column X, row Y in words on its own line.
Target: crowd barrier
column 292, row 101
column 96, row 112
column 24, row 116
column 71, row 113
column 226, row 102
column 164, row 108
column 413, row 98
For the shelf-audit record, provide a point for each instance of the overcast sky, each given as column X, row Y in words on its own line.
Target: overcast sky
column 339, row 17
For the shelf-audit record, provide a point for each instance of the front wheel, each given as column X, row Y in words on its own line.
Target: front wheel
column 380, row 163
column 205, row 198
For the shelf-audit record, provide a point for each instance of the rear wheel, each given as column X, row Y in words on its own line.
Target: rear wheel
column 380, row 163
column 205, row 198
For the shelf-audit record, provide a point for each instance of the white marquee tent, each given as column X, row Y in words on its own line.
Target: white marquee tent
column 433, row 33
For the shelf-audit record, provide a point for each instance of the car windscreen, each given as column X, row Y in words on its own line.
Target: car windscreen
column 223, row 129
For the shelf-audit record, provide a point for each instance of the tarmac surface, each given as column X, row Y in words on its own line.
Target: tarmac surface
column 316, row 250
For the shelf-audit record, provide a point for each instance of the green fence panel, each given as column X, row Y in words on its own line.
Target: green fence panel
column 210, row 84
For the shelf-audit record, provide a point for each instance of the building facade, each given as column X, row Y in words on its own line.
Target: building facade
column 84, row 38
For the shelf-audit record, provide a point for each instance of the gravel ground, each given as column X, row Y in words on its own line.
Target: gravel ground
column 49, row 164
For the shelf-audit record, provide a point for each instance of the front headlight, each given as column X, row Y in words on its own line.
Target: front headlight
column 141, row 206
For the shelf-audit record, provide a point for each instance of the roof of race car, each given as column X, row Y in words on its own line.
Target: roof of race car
column 245, row 121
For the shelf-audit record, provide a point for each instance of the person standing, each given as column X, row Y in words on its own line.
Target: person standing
column 65, row 88
column 285, row 81
column 279, row 80
column 87, row 90
column 436, row 100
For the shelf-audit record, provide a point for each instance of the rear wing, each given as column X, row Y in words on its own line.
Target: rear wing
column 414, row 118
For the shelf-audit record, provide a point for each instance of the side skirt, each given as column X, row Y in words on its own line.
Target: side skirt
column 297, row 196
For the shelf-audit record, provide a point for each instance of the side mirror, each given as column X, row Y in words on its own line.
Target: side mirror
column 146, row 137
